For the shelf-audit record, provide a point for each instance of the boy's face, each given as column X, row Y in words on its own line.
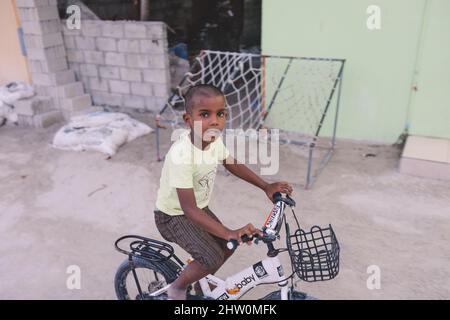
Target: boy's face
column 207, row 117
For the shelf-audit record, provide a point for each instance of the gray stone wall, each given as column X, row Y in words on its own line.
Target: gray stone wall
column 121, row 63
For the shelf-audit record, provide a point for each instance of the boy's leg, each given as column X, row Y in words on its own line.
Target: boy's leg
column 222, row 244
column 203, row 247
column 193, row 272
column 226, row 254
column 208, row 251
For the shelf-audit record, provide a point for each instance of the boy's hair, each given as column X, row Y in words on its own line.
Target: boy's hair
column 200, row 90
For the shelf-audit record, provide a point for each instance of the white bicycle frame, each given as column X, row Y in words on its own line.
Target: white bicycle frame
column 266, row 271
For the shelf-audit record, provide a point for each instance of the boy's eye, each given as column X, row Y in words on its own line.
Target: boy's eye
column 204, row 114
column 222, row 114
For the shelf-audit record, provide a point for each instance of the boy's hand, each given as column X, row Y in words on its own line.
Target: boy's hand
column 283, row 187
column 248, row 230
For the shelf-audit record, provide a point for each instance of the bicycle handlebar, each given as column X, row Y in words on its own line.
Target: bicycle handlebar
column 270, row 235
column 233, row 244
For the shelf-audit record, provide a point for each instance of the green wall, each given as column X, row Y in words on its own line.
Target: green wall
column 377, row 102
column 430, row 104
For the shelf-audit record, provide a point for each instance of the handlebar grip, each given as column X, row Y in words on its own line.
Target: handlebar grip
column 233, row 244
column 277, row 197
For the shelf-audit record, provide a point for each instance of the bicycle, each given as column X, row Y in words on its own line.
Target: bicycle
column 314, row 256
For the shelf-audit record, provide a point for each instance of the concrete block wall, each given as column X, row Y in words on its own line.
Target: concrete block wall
column 121, row 63
column 59, row 95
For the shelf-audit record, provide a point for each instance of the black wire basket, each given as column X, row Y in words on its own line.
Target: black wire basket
column 314, row 254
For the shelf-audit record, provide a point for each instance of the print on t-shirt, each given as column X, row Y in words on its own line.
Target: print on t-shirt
column 206, row 183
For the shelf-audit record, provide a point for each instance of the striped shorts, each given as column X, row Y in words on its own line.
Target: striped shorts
column 204, row 247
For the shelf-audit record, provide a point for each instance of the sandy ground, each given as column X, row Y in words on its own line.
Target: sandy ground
column 62, row 208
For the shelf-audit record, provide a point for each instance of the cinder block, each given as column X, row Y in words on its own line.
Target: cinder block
column 63, row 77
column 136, row 102
column 106, row 44
column 107, row 99
column 137, row 61
column 42, row 79
column 91, row 28
column 156, row 75
column 160, row 90
column 47, row 119
column 69, row 41
column 115, row 59
column 51, row 26
column 85, row 43
column 52, row 39
column 41, row 27
column 47, row 13
column 39, row 13
column 159, row 61
column 156, row 30
column 31, row 27
column 135, row 30
column 128, row 46
column 47, row 53
column 43, row 66
column 77, row 56
column 35, row 66
column 98, row 84
column 153, row 46
column 55, row 65
column 76, row 103
column 88, row 70
column 142, row 89
column 128, row 74
column 85, row 82
column 70, row 90
column 32, row 106
column 97, row 98
column 109, row 72
column 42, row 90
column 56, row 78
column 95, row 57
column 118, row 86
column 26, row 14
column 31, row 3
column 112, row 29
column 76, row 69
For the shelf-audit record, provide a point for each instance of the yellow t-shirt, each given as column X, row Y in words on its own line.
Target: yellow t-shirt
column 186, row 166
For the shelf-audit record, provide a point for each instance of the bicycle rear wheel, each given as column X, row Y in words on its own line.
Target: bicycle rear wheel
column 151, row 276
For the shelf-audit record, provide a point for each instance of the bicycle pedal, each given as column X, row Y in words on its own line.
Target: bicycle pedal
column 162, row 296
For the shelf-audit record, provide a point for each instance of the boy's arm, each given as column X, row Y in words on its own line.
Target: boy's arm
column 242, row 171
column 199, row 217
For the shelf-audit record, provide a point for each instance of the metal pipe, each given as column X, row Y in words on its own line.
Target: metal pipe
column 333, row 141
column 145, row 10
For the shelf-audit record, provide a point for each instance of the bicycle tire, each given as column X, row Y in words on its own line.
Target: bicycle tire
column 167, row 269
column 292, row 295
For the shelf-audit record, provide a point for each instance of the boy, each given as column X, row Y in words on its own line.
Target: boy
column 182, row 215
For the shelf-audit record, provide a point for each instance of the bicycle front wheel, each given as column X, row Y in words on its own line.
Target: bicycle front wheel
column 151, row 277
column 292, row 295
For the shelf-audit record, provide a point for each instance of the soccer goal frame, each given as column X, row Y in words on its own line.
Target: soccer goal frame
column 257, row 86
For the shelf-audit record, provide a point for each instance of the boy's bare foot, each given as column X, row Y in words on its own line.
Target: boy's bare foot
column 174, row 293
column 198, row 289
